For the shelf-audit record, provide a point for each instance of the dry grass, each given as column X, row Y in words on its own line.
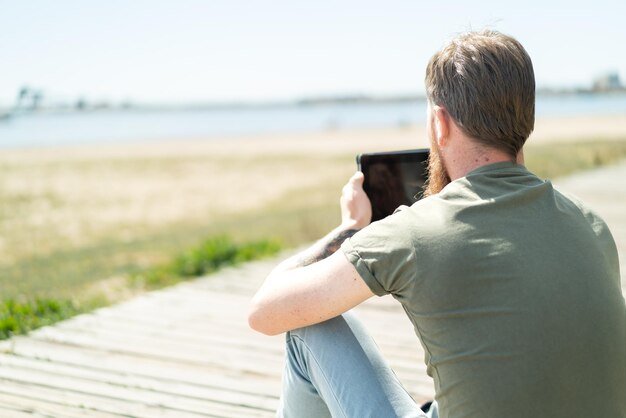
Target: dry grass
column 67, row 223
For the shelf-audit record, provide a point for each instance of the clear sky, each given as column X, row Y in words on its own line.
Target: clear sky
column 214, row 50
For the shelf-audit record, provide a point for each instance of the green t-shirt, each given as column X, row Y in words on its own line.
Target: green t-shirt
column 514, row 292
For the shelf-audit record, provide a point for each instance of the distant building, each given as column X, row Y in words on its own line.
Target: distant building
column 608, row 82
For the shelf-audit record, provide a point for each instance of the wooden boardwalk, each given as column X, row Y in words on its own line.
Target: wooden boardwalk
column 186, row 351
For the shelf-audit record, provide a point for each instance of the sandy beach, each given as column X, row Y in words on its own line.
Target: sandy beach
column 60, row 200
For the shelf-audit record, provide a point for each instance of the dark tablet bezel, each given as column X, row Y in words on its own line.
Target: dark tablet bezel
column 417, row 156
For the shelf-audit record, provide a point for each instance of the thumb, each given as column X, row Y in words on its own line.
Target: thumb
column 357, row 179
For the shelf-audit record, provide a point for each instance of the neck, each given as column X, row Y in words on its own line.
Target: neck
column 467, row 156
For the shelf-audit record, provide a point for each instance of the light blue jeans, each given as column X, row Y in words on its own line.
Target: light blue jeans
column 334, row 369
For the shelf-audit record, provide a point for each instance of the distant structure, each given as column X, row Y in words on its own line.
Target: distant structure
column 28, row 99
column 81, row 104
column 608, row 82
column 22, row 94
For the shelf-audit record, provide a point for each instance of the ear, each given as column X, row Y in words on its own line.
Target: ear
column 442, row 125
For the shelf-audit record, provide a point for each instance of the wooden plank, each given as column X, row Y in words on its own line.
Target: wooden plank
column 202, row 335
column 167, row 370
column 153, row 384
column 249, row 362
column 68, row 401
column 107, row 397
column 167, row 343
column 27, row 406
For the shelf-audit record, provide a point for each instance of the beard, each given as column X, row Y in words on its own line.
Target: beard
column 438, row 177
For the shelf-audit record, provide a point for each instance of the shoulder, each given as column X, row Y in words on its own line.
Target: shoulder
column 595, row 223
column 577, row 205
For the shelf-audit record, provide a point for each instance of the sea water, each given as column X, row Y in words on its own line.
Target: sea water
column 115, row 126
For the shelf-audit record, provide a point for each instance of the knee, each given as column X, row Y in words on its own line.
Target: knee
column 331, row 328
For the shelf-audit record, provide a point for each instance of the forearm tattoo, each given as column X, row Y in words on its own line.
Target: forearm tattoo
column 324, row 248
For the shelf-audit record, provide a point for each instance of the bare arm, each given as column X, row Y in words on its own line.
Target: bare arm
column 319, row 283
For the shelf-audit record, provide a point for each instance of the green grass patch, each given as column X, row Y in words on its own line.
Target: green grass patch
column 23, row 315
column 206, row 258
column 20, row 317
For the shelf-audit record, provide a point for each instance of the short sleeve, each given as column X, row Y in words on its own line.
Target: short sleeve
column 384, row 255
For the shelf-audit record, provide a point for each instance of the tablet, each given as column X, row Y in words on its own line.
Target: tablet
column 393, row 179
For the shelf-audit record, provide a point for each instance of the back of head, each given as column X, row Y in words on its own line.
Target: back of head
column 485, row 81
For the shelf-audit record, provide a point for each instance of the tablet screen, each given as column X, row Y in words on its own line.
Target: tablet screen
column 393, row 179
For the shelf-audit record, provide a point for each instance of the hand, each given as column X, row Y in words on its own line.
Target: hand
column 356, row 209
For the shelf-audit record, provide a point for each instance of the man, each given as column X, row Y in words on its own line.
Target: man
column 513, row 288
